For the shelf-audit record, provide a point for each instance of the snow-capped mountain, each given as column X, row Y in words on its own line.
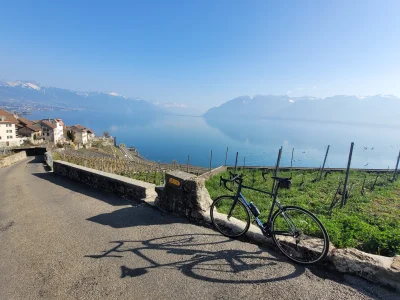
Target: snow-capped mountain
column 31, row 91
column 22, row 84
column 378, row 109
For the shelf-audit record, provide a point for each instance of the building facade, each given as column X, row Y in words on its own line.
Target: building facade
column 81, row 134
column 52, row 130
column 8, row 133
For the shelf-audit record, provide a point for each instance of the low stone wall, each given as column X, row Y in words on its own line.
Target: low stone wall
column 9, row 160
column 184, row 194
column 214, row 172
column 128, row 188
column 48, row 158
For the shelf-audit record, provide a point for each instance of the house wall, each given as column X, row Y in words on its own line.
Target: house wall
column 47, row 134
column 7, row 131
column 25, row 131
column 58, row 133
column 80, row 137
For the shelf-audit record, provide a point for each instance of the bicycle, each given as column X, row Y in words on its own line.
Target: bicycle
column 297, row 233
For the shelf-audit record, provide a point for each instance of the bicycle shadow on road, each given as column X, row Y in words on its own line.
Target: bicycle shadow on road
column 140, row 215
column 192, row 255
column 83, row 189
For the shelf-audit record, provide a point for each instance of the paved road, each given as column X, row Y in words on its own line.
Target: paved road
column 62, row 240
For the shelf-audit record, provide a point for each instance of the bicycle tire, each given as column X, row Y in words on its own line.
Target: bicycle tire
column 231, row 228
column 304, row 241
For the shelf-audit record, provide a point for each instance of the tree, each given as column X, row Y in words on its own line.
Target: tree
column 71, row 135
column 106, row 134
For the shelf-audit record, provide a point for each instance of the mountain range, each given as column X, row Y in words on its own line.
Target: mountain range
column 378, row 109
column 33, row 94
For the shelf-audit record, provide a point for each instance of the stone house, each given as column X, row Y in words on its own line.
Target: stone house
column 27, row 128
column 52, row 130
column 91, row 134
column 8, row 132
column 81, row 134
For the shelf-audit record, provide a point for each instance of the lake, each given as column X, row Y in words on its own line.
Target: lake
column 166, row 138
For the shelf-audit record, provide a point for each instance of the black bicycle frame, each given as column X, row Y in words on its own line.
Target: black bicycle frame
column 275, row 201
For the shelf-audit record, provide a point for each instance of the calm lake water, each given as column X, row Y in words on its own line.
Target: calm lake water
column 166, row 138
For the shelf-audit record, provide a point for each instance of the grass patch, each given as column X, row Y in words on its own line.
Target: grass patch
column 369, row 222
column 56, row 155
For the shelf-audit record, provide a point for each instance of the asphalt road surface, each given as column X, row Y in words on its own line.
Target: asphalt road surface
column 63, row 240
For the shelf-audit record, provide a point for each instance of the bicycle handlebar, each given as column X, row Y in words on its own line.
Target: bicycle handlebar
column 233, row 178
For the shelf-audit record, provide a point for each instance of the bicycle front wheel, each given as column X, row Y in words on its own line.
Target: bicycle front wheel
column 233, row 225
column 299, row 235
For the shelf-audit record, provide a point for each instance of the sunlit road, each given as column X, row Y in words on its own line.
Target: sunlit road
column 63, row 240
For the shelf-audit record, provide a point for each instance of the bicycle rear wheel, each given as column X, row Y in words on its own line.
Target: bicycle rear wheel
column 299, row 235
column 234, row 225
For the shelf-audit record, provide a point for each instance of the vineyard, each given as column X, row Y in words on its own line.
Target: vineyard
column 135, row 167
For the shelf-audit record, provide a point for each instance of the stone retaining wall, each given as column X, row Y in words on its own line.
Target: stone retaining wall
column 184, row 194
column 130, row 189
column 9, row 160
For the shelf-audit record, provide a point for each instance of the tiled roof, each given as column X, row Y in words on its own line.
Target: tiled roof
column 24, row 121
column 79, row 127
column 48, row 124
column 34, row 127
column 9, row 116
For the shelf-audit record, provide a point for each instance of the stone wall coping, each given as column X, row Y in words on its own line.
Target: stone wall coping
column 109, row 175
column 181, row 175
column 213, row 172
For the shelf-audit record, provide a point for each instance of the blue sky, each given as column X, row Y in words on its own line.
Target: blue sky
column 204, row 53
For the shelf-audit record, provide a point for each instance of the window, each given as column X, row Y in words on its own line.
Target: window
column 9, row 137
column 48, row 134
column 9, row 131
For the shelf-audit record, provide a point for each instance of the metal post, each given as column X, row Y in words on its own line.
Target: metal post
column 226, row 155
column 291, row 161
column 347, row 176
column 276, row 168
column 244, row 163
column 395, row 170
column 187, row 165
column 278, row 161
column 210, row 159
column 323, row 165
column 237, row 154
column 291, row 164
